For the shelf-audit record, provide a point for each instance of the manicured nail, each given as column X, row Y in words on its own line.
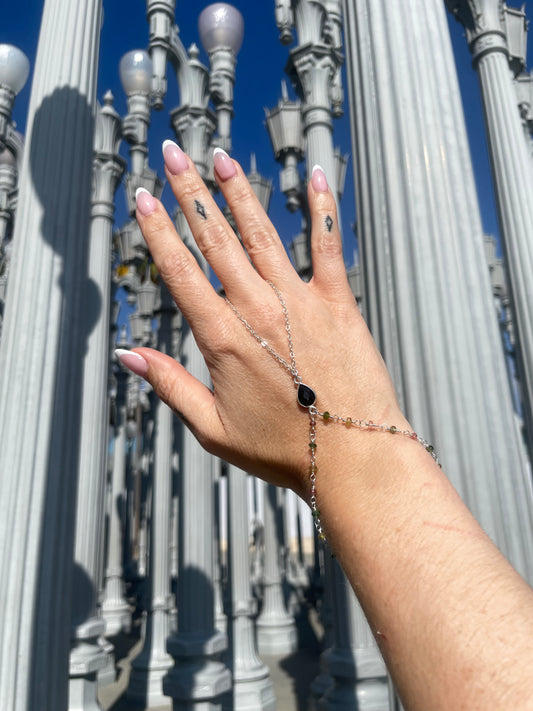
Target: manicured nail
column 175, row 159
column 224, row 166
column 146, row 204
column 132, row 361
column 318, row 179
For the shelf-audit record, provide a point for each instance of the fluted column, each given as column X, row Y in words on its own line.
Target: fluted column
column 512, row 171
column 198, row 679
column 150, row 667
column 428, row 291
column 359, row 674
column 252, row 686
column 41, row 372
column 276, row 628
column 87, row 655
column 115, row 609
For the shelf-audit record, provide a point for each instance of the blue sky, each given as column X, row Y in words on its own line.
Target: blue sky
column 260, row 71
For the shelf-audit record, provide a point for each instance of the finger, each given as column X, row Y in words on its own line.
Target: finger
column 259, row 236
column 186, row 396
column 185, row 280
column 216, row 239
column 329, row 272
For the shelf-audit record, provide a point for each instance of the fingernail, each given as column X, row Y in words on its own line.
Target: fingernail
column 146, row 204
column 175, row 159
column 318, row 179
column 132, row 361
column 224, row 166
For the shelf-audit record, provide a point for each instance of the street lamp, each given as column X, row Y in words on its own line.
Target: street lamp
column 221, row 30
column 14, row 70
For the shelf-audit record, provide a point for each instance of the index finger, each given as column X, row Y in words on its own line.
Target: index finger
column 185, row 279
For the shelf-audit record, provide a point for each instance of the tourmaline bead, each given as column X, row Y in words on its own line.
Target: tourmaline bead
column 393, row 429
column 316, row 513
column 322, row 537
column 429, row 448
column 348, row 421
column 312, row 445
column 306, row 395
column 326, row 416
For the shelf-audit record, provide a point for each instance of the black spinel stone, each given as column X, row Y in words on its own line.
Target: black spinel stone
column 306, row 396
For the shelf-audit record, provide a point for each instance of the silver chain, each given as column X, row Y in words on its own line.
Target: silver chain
column 292, row 369
column 313, row 411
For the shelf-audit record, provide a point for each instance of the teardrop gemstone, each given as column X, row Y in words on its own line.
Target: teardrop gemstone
column 306, row 395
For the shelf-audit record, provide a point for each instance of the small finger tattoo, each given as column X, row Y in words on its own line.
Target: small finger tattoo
column 329, row 223
column 200, row 209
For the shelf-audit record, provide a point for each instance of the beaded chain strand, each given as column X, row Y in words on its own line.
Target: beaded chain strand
column 306, row 398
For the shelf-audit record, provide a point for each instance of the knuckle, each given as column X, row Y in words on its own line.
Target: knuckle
column 329, row 244
column 175, row 267
column 241, row 193
column 189, row 187
column 211, row 237
column 157, row 224
column 257, row 240
column 165, row 390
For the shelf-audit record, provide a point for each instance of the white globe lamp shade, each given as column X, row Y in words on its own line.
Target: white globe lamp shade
column 135, row 71
column 221, row 25
column 14, row 67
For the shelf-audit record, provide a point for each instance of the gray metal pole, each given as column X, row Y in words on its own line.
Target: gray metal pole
column 252, row 685
column 276, row 628
column 151, row 666
column 512, row 170
column 428, row 291
column 87, row 655
column 45, row 332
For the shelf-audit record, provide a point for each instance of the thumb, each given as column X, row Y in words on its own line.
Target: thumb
column 187, row 397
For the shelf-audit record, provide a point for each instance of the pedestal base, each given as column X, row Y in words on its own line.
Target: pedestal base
column 252, row 695
column 277, row 637
column 197, row 685
column 145, row 686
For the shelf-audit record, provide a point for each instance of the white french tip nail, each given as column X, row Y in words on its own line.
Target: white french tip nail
column 317, row 167
column 220, row 150
column 168, row 142
column 141, row 190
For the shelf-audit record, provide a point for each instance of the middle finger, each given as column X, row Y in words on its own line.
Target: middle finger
column 217, row 241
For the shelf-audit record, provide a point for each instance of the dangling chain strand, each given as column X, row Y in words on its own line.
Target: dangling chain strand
column 306, row 398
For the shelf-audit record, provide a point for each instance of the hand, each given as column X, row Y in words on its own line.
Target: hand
column 251, row 417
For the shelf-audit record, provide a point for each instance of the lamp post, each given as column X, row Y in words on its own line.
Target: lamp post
column 8, row 199
column 151, row 665
column 428, row 295
column 87, row 655
column 40, row 379
column 496, row 37
column 198, row 678
column 14, row 70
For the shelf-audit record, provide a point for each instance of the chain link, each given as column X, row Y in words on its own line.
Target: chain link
column 313, row 411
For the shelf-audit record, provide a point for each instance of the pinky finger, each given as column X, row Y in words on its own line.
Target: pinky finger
column 329, row 273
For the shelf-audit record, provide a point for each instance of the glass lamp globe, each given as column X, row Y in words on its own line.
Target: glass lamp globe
column 135, row 71
column 221, row 25
column 14, row 67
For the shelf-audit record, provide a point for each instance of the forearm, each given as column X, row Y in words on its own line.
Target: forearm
column 417, row 560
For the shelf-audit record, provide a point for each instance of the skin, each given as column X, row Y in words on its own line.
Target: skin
column 454, row 621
